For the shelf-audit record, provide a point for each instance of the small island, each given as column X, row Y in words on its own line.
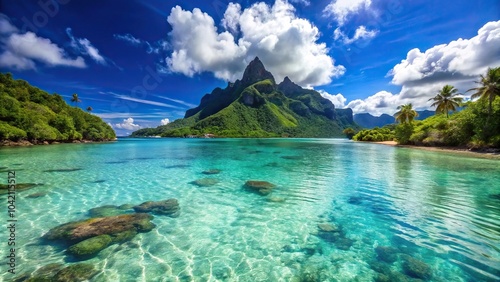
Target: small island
column 31, row 116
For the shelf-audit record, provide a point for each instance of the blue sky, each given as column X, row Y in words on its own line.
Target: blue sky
column 143, row 63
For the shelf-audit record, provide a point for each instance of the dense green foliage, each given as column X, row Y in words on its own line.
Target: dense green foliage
column 259, row 108
column 447, row 100
column 28, row 113
column 473, row 127
column 477, row 125
column 406, row 114
column 376, row 134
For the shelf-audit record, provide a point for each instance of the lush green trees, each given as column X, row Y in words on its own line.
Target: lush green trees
column 75, row 99
column 406, row 114
column 29, row 113
column 376, row 134
column 489, row 87
column 447, row 100
column 349, row 132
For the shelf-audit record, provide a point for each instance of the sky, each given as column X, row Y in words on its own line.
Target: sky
column 144, row 63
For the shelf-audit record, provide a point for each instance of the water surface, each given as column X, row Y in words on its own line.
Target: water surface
column 441, row 209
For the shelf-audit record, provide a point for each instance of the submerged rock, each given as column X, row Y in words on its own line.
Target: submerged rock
column 344, row 243
column 75, row 273
column 63, row 170
column 328, row 227
column 168, row 207
column 44, row 273
column 205, row 182
column 37, row 195
column 211, row 171
column 386, row 253
column 260, row 187
column 90, row 247
column 416, row 268
column 4, row 188
column 74, row 232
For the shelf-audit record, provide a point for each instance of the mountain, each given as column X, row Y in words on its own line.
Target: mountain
column 256, row 106
column 367, row 120
column 29, row 115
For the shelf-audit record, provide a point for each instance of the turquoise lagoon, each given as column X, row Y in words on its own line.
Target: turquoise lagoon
column 441, row 209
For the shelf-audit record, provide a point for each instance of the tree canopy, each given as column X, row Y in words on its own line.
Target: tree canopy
column 28, row 113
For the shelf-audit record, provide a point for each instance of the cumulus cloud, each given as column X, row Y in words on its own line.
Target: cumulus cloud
column 5, row 26
column 84, row 47
column 286, row 44
column 127, row 124
column 164, row 121
column 21, row 51
column 457, row 60
column 341, row 9
column 338, row 100
column 422, row 74
column 361, row 33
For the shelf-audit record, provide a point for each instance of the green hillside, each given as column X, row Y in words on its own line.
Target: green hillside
column 28, row 113
column 256, row 106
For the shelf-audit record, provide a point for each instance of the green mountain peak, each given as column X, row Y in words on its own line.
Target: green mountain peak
column 256, row 107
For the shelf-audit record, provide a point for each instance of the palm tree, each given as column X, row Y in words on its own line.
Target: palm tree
column 75, row 99
column 89, row 109
column 489, row 87
column 406, row 113
column 447, row 100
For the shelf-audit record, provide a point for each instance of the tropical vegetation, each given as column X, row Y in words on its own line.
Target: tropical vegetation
column 448, row 99
column 28, row 113
column 477, row 125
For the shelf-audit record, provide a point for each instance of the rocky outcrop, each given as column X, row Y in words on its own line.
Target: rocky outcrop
column 205, row 182
column 254, row 72
column 168, row 207
column 260, row 187
column 74, row 232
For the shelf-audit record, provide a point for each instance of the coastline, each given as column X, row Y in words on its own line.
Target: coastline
column 26, row 143
column 450, row 150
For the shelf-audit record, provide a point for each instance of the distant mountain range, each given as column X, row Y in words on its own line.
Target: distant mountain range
column 369, row 121
column 256, row 106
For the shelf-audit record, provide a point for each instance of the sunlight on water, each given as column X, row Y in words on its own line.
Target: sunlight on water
column 392, row 209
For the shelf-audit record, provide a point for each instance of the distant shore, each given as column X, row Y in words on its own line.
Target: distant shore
column 457, row 150
column 26, row 143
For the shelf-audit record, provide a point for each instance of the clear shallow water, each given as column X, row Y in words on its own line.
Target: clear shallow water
column 435, row 207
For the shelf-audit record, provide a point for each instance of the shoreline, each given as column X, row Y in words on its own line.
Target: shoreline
column 452, row 150
column 26, row 143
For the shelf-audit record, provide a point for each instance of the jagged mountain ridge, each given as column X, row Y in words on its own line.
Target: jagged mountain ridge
column 256, row 106
column 367, row 120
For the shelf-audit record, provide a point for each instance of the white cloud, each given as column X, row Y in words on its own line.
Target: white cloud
column 286, row 44
column 361, row 33
column 84, row 47
column 127, row 124
column 164, row 121
column 304, row 2
column 422, row 75
column 128, row 38
column 142, row 101
column 231, row 17
column 337, row 100
column 22, row 50
column 341, row 9
column 459, row 59
column 5, row 26
column 382, row 102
